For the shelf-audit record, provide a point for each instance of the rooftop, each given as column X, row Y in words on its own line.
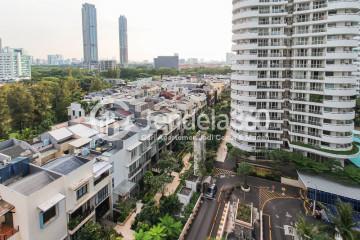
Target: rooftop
column 324, row 185
column 32, row 182
column 65, row 165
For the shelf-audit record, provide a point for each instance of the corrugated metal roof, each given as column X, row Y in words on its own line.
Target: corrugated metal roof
column 322, row 184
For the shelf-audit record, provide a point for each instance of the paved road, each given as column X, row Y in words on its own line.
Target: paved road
column 281, row 212
column 201, row 227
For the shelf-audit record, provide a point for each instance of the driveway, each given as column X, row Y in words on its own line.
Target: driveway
column 279, row 213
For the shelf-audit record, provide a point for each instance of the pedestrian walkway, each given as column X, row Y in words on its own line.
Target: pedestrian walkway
column 125, row 230
column 222, row 151
column 170, row 188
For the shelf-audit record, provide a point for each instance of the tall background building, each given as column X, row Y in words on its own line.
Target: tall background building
column 55, row 60
column 295, row 61
column 123, row 41
column 89, row 26
column 15, row 65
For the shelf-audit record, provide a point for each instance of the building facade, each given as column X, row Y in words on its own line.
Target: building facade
column 166, row 62
column 293, row 86
column 89, row 27
column 55, row 60
column 107, row 65
column 15, row 65
column 123, row 41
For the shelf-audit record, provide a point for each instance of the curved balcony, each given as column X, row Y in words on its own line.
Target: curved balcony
column 322, row 151
column 246, row 88
column 343, row 18
column 246, row 57
column 336, row 139
column 243, row 98
column 339, row 116
column 340, row 67
column 341, row 55
column 339, row 104
column 343, row 30
column 245, row 46
column 235, row 76
column 337, row 127
column 244, row 67
column 246, row 35
column 346, row 4
column 340, row 92
column 246, row 14
column 343, row 80
column 245, row 25
column 341, row 43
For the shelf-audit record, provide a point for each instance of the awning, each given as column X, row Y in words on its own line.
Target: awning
column 100, row 167
column 124, row 188
column 80, row 142
column 48, row 204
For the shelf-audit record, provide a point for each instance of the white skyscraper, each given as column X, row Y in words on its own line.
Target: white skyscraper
column 294, row 66
column 15, row 65
column 89, row 27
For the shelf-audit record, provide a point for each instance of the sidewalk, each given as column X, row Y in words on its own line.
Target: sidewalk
column 222, row 151
column 125, row 230
column 170, row 188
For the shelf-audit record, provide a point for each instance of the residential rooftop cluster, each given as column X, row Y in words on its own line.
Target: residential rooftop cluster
column 50, row 187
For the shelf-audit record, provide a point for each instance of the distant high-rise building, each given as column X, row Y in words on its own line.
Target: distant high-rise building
column 55, row 60
column 90, row 41
column 166, row 62
column 106, row 65
column 15, row 65
column 123, row 41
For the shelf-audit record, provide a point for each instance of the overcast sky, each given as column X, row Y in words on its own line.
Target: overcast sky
column 192, row 28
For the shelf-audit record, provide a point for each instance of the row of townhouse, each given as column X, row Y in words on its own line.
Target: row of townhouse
column 80, row 169
column 52, row 201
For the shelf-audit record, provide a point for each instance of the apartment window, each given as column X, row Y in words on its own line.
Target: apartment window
column 133, row 153
column 276, row 20
column 82, row 191
column 47, row 216
column 275, row 31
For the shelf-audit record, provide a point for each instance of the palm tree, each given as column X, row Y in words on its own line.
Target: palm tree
column 344, row 221
column 157, row 232
column 244, row 169
column 172, row 227
column 307, row 230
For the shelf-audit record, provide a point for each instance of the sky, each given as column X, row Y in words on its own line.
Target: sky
column 191, row 28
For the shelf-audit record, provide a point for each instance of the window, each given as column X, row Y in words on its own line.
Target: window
column 82, row 191
column 47, row 216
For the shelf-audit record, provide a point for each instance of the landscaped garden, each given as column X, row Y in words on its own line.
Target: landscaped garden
column 243, row 213
column 123, row 209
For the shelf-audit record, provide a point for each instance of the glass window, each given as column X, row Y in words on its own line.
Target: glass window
column 82, row 191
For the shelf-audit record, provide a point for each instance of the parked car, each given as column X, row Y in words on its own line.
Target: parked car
column 211, row 192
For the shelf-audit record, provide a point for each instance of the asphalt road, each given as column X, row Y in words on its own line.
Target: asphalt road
column 201, row 227
column 280, row 212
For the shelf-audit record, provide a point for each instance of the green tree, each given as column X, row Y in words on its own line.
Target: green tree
column 21, row 107
column 170, row 205
column 244, row 169
column 344, row 221
column 167, row 162
column 90, row 231
column 311, row 230
column 5, row 118
column 172, row 227
column 157, row 232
